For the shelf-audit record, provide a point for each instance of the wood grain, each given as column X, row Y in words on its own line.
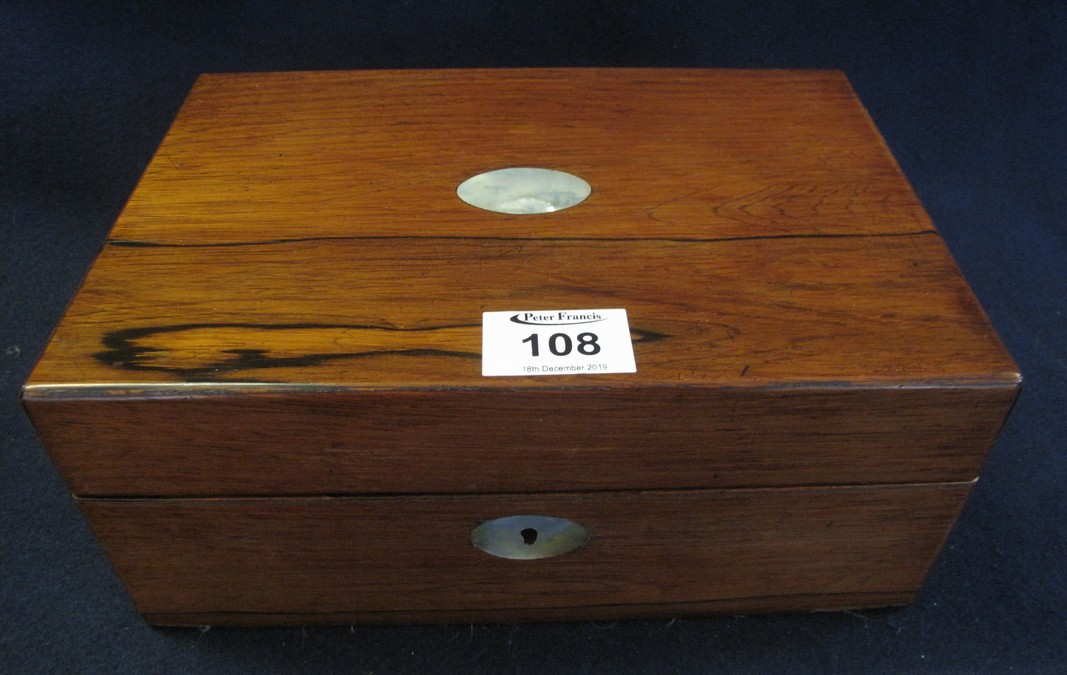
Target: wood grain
column 406, row 313
column 669, row 153
column 268, row 390
column 215, row 559
column 303, row 228
column 306, row 443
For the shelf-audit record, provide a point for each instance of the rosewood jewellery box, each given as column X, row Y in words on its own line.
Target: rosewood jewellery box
column 503, row 345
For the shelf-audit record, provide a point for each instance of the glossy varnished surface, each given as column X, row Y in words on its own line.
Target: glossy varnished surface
column 669, row 153
column 268, row 390
column 831, row 342
column 304, row 229
column 406, row 313
column 302, row 443
column 363, row 559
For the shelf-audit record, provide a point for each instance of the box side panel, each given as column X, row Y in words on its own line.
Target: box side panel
column 505, row 441
column 376, row 556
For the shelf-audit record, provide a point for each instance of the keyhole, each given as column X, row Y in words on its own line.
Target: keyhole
column 528, row 537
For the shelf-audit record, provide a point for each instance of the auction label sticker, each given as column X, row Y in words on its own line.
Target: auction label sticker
column 556, row 342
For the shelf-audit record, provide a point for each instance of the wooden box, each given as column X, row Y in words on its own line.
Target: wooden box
column 267, row 395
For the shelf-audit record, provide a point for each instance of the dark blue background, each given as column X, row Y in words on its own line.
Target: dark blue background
column 969, row 95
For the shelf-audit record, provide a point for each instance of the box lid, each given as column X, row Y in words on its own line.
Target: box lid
column 296, row 254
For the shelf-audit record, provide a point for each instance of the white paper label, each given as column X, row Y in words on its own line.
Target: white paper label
column 557, row 342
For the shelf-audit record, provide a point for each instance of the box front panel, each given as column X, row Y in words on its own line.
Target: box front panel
column 211, row 560
column 519, row 441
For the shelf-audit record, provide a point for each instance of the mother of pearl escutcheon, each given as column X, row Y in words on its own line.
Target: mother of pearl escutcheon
column 523, row 190
column 529, row 537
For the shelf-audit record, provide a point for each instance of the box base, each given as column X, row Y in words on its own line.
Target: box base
column 738, row 606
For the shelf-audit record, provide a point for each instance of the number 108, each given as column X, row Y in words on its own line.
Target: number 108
column 560, row 344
